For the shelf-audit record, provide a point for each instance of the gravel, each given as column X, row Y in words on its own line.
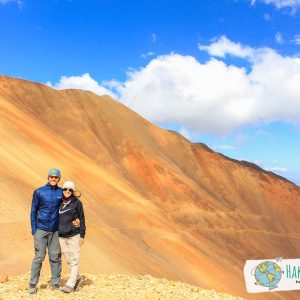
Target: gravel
column 109, row 287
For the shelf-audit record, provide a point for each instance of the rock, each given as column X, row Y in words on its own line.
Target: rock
column 4, row 278
column 22, row 286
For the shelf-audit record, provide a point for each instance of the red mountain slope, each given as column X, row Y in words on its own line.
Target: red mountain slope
column 155, row 203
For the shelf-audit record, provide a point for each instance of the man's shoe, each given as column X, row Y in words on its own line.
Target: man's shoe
column 78, row 284
column 55, row 286
column 32, row 289
column 67, row 289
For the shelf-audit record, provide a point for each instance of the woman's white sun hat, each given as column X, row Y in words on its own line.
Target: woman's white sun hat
column 69, row 185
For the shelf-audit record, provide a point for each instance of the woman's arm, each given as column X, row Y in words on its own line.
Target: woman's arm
column 81, row 218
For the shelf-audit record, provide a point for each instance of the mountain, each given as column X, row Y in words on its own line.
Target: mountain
column 155, row 203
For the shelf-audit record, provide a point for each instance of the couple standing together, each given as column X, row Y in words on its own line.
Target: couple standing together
column 57, row 223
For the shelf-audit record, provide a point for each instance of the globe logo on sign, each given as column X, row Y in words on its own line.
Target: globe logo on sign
column 267, row 274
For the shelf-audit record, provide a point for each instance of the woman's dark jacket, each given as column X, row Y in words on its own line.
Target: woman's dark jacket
column 69, row 213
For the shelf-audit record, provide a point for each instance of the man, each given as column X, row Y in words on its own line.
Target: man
column 44, row 228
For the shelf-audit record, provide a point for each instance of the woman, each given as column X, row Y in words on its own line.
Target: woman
column 71, row 237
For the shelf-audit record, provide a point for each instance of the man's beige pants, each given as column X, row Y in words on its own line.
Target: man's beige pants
column 70, row 248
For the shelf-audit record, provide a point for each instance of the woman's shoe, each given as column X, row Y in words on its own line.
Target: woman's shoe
column 78, row 284
column 67, row 289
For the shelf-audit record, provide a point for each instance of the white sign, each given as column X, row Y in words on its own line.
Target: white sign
column 272, row 275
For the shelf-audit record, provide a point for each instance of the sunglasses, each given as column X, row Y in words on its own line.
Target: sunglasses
column 65, row 189
column 53, row 177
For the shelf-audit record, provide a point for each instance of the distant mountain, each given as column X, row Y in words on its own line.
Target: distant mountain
column 155, row 203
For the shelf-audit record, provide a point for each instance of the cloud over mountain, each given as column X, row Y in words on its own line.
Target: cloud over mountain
column 212, row 96
column 84, row 82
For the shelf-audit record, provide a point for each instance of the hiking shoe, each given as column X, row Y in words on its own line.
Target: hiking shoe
column 67, row 289
column 32, row 289
column 55, row 286
column 78, row 284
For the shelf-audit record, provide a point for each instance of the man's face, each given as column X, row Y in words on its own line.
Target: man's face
column 53, row 180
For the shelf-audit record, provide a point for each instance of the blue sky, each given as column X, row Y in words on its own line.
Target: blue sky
column 226, row 73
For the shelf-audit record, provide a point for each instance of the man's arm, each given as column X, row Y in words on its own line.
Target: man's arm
column 34, row 210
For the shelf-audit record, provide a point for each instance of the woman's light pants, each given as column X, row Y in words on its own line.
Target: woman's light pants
column 70, row 248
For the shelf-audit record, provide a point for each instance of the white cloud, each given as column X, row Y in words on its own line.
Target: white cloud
column 153, row 38
column 19, row 2
column 223, row 147
column 210, row 97
column 279, row 38
column 279, row 4
column 271, row 169
column 83, row 82
column 239, row 140
column 148, row 54
column 111, row 85
column 296, row 39
column 183, row 131
column 224, row 46
column 278, row 169
column 205, row 97
column 261, row 132
column 267, row 17
column 213, row 96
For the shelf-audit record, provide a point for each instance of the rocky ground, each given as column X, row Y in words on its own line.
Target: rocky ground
column 114, row 286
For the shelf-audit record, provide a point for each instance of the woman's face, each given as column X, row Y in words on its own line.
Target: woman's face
column 67, row 192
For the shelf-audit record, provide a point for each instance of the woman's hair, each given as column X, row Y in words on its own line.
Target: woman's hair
column 77, row 194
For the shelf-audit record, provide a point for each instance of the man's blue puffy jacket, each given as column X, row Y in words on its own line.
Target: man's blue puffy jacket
column 44, row 208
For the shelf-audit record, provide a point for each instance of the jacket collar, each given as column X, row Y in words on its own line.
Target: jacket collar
column 72, row 199
column 52, row 187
